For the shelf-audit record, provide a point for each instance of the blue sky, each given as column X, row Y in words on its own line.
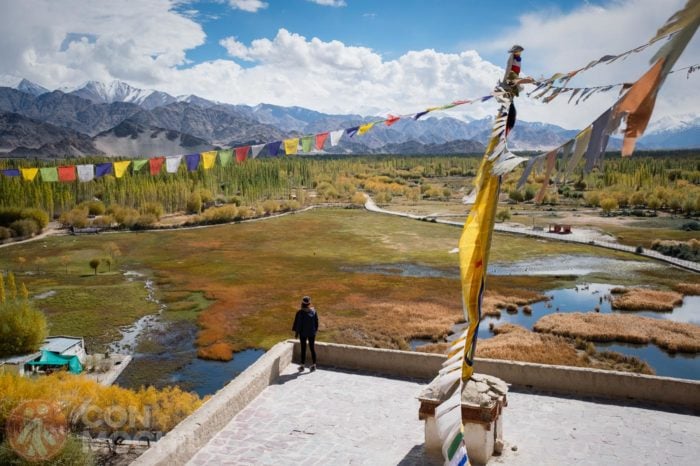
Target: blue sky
column 390, row 28
column 367, row 57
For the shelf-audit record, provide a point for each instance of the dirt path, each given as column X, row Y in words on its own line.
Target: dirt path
column 52, row 229
column 583, row 238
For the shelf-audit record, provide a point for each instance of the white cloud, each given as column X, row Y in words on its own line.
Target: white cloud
column 556, row 42
column 331, row 76
column 48, row 42
column 251, row 6
column 234, row 48
column 334, row 3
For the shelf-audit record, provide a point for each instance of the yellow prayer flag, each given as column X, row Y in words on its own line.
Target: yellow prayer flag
column 28, row 174
column 120, row 168
column 364, row 128
column 208, row 159
column 291, row 146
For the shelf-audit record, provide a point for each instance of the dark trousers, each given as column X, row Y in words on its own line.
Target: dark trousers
column 312, row 340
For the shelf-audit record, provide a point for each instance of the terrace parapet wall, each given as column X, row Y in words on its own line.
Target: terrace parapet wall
column 181, row 444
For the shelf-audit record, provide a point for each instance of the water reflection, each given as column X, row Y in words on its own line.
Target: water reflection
column 586, row 298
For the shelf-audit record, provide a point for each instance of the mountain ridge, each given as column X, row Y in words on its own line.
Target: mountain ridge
column 94, row 109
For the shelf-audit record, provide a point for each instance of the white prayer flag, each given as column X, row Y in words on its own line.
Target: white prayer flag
column 335, row 137
column 86, row 172
column 172, row 163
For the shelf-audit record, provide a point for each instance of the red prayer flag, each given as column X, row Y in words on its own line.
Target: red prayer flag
column 66, row 173
column 242, row 153
column 391, row 119
column 321, row 140
column 155, row 164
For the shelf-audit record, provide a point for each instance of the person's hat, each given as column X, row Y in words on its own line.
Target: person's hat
column 515, row 49
column 306, row 300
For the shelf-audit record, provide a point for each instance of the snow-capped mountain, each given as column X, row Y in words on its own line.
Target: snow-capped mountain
column 22, row 84
column 119, row 91
column 673, row 123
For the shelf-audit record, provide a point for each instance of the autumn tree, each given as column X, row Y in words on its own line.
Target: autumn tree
column 95, row 263
column 22, row 327
column 503, row 215
column 608, row 204
column 112, row 251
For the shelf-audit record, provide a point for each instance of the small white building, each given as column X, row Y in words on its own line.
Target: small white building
column 16, row 364
column 66, row 346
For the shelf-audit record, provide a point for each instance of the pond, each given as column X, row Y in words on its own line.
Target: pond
column 585, row 298
column 581, row 298
column 207, row 377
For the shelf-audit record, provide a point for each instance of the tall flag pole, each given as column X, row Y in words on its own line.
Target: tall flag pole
column 474, row 247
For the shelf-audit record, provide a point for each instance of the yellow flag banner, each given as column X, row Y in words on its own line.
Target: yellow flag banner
column 291, row 146
column 474, row 246
column 208, row 159
column 120, row 168
column 28, row 174
column 364, row 128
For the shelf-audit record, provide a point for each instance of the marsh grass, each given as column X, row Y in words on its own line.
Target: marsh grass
column 644, row 299
column 515, row 343
column 688, row 289
column 623, row 328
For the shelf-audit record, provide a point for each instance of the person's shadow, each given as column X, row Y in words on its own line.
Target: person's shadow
column 284, row 378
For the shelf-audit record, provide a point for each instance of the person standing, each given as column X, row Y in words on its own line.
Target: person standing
column 305, row 327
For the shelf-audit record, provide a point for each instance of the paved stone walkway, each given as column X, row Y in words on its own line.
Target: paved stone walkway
column 322, row 418
column 562, row 431
column 334, row 417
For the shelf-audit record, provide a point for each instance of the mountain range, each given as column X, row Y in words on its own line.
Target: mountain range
column 118, row 119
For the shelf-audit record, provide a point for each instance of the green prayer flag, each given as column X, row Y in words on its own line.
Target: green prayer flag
column 49, row 174
column 225, row 157
column 139, row 164
column 306, row 143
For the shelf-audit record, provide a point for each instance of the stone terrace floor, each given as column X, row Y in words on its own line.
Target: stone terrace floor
column 336, row 417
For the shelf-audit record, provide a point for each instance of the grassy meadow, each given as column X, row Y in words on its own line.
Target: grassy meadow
column 241, row 283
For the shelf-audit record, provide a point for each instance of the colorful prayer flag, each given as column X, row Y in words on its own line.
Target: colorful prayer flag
column 273, row 148
column 242, row 153
column 28, row 174
column 419, row 114
column 582, row 139
column 10, row 172
column 321, row 140
column 208, row 159
column 86, row 172
column 225, row 157
column 139, row 164
column 306, row 143
column 66, row 173
column 103, row 169
column 599, row 140
column 255, row 150
column 352, row 131
column 291, row 146
column 120, row 168
column 474, row 246
column 192, row 162
column 391, row 119
column 49, row 174
column 551, row 159
column 335, row 137
column 364, row 128
column 172, row 163
column 155, row 165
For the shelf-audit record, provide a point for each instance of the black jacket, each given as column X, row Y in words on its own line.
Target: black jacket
column 306, row 322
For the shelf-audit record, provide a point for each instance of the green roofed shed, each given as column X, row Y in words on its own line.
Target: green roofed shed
column 49, row 359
